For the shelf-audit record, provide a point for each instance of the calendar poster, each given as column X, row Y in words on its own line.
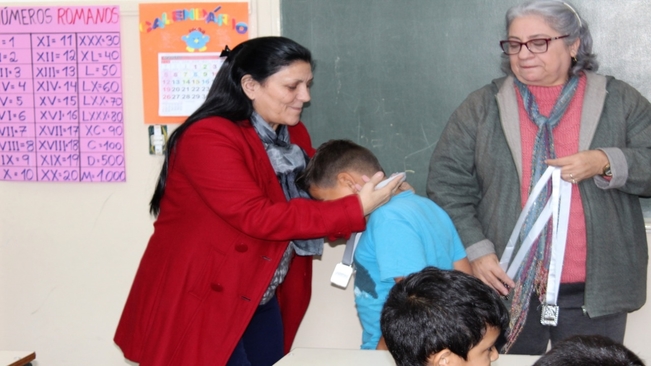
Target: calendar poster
column 184, row 80
column 61, row 106
column 180, row 45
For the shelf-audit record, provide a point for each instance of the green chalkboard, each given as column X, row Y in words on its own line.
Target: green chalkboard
column 389, row 73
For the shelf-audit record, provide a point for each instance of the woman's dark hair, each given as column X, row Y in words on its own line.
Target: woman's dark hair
column 258, row 57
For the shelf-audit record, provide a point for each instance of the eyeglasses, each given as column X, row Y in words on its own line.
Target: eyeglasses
column 538, row 45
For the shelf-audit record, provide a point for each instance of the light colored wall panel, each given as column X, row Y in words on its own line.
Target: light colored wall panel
column 68, row 252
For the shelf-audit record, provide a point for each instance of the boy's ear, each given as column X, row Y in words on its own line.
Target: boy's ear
column 346, row 180
column 441, row 358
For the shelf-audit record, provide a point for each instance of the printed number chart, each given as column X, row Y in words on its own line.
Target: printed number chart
column 61, row 114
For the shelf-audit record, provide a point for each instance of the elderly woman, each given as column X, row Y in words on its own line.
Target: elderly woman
column 225, row 278
column 551, row 109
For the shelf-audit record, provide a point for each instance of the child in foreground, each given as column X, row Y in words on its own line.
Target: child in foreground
column 443, row 318
column 588, row 350
column 403, row 236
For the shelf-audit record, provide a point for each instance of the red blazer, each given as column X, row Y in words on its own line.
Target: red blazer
column 223, row 227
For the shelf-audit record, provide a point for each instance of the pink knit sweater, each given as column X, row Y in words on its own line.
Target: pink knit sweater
column 566, row 142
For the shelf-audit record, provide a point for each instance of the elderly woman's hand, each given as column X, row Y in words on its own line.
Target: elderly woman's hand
column 580, row 166
column 487, row 269
column 372, row 198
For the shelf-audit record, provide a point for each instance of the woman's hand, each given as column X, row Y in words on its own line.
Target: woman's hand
column 580, row 166
column 487, row 269
column 404, row 186
column 372, row 198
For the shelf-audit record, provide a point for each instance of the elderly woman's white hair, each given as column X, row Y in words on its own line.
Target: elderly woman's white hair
column 564, row 19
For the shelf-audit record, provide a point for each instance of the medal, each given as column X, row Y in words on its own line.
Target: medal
column 549, row 315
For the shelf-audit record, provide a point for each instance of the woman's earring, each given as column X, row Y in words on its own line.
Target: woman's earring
column 574, row 59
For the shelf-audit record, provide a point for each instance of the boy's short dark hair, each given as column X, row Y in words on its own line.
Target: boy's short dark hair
column 334, row 157
column 589, row 350
column 433, row 310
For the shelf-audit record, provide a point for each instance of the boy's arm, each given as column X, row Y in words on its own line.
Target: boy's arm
column 463, row 265
column 381, row 345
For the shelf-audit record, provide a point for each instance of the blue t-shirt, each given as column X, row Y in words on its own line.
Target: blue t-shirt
column 403, row 236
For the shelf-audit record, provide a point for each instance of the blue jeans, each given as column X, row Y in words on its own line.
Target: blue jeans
column 262, row 342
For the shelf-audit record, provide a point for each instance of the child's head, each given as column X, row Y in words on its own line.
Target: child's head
column 336, row 168
column 589, row 350
column 437, row 317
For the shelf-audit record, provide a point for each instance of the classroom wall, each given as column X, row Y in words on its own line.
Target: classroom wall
column 68, row 252
column 388, row 77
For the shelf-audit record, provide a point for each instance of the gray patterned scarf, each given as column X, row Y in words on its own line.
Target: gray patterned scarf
column 288, row 161
column 532, row 274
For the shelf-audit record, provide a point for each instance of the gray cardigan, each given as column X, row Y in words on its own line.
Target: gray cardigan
column 476, row 170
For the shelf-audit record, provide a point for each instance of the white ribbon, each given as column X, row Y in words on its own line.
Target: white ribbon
column 557, row 208
column 351, row 245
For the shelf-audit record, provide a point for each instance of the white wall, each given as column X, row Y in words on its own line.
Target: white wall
column 68, row 252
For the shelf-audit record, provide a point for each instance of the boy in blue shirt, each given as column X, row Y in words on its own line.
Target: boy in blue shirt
column 403, row 236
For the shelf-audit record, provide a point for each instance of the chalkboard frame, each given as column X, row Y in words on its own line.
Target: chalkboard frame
column 389, row 73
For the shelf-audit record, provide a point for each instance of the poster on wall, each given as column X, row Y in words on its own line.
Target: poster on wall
column 61, row 113
column 180, row 48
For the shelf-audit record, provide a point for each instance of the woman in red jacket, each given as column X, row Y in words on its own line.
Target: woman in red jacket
column 225, row 278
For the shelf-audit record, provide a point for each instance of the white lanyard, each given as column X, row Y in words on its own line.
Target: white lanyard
column 349, row 252
column 344, row 270
column 558, row 208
